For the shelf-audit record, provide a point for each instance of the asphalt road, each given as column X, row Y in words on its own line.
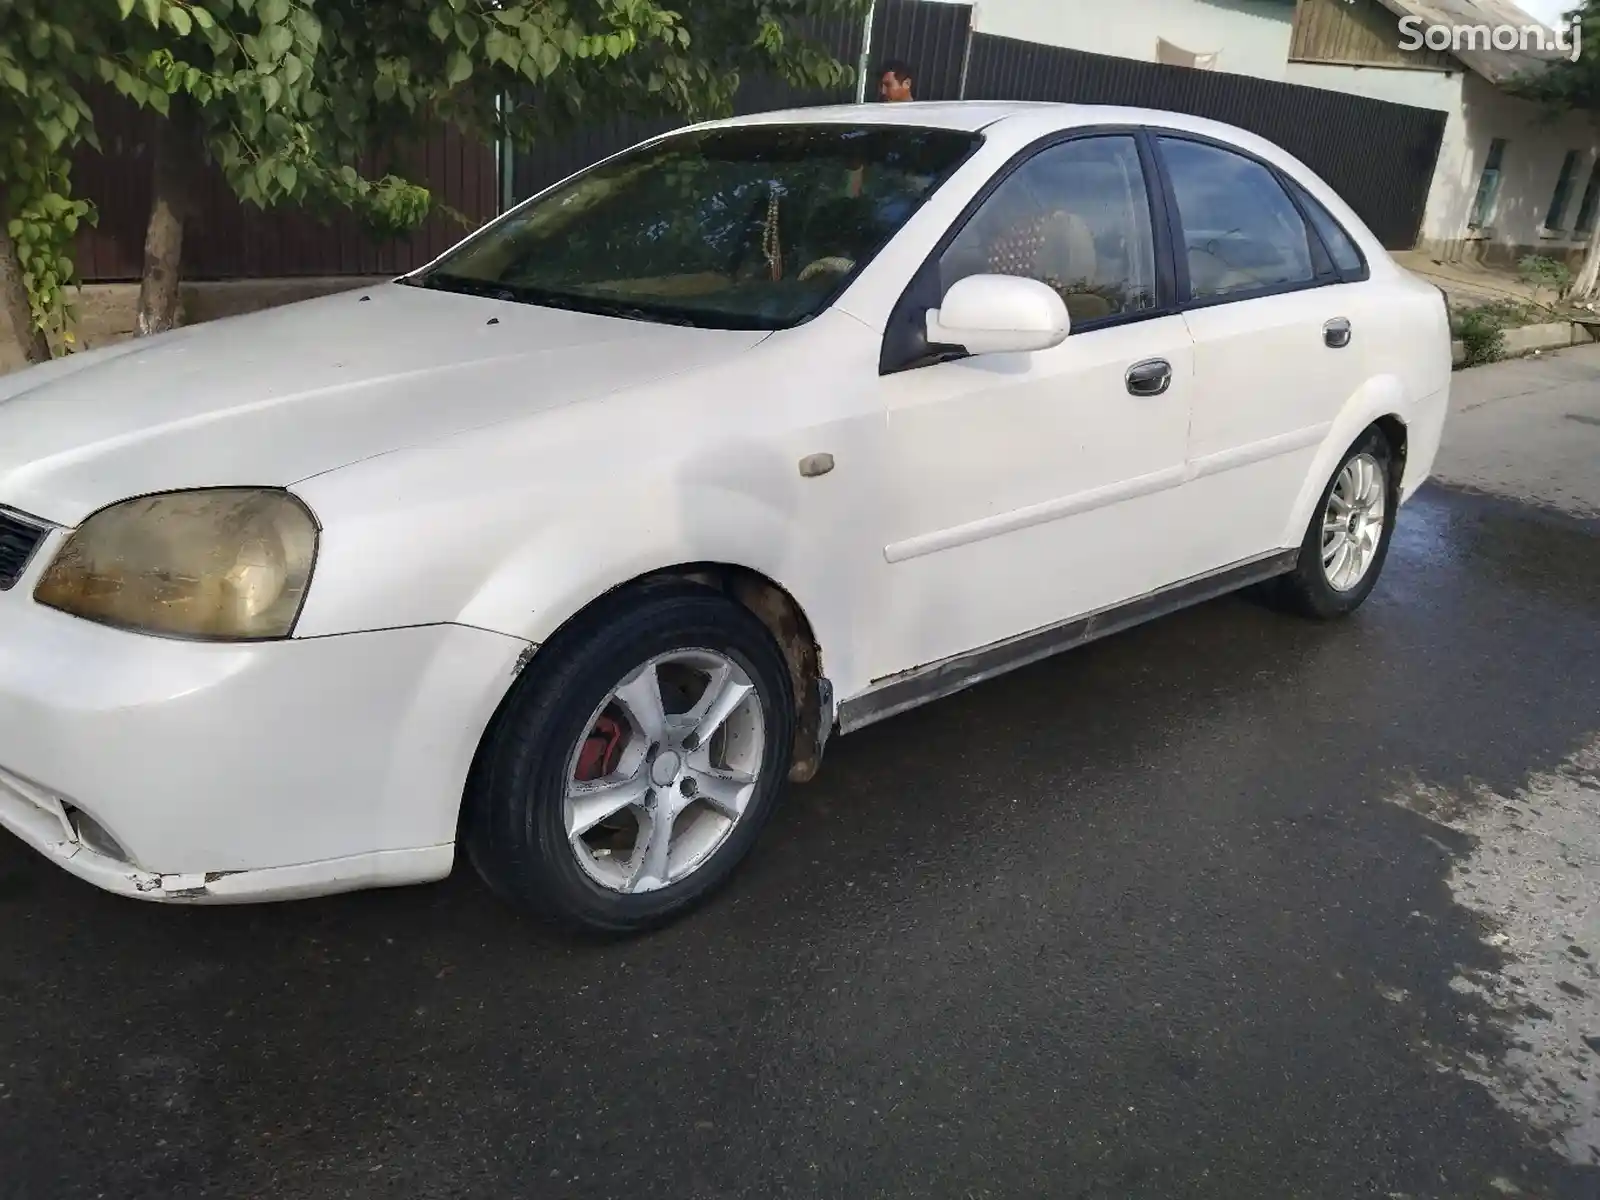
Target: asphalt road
column 1193, row 912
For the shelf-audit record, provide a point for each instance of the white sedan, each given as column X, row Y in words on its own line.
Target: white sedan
column 571, row 547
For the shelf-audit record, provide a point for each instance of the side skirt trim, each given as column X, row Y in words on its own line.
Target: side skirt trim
column 923, row 685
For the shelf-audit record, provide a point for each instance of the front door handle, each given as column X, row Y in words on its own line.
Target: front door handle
column 1149, row 378
column 1336, row 333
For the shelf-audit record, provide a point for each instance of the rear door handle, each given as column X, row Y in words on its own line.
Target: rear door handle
column 1149, row 378
column 1336, row 333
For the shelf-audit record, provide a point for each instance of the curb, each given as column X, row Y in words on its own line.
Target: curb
column 1527, row 339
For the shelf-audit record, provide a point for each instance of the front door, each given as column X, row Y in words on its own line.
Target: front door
column 1027, row 489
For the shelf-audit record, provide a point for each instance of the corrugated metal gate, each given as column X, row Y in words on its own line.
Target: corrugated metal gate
column 1378, row 156
column 933, row 38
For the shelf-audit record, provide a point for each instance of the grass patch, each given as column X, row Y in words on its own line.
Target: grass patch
column 1482, row 331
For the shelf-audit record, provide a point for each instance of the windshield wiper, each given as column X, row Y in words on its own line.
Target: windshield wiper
column 520, row 293
column 632, row 312
column 440, row 281
column 598, row 306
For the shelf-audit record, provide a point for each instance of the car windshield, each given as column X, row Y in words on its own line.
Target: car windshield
column 749, row 227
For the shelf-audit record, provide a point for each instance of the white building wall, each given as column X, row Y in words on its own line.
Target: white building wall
column 1249, row 37
column 1535, row 146
column 1476, row 113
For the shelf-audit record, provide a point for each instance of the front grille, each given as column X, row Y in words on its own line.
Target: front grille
column 19, row 538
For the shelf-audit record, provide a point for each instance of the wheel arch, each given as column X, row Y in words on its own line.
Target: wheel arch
column 791, row 628
column 772, row 603
column 1398, row 435
column 1379, row 404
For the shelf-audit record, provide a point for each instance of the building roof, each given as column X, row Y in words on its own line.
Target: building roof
column 1497, row 66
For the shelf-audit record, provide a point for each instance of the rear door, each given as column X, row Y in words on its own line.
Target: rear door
column 1277, row 327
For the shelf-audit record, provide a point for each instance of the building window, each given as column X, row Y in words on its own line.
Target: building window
column 1558, row 202
column 1591, row 201
column 1488, row 186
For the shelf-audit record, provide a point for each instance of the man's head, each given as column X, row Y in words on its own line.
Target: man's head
column 894, row 81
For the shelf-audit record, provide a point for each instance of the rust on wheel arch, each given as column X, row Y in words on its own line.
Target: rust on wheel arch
column 783, row 618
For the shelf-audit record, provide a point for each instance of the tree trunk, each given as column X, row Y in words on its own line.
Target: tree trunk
column 172, row 202
column 14, row 296
column 1586, row 287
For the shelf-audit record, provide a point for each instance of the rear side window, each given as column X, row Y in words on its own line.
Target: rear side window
column 1241, row 232
column 1341, row 246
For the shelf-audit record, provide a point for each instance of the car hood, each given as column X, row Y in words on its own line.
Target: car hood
column 272, row 398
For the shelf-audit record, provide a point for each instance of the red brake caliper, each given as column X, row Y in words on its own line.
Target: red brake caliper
column 602, row 750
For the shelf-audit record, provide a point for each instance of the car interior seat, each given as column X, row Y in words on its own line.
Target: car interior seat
column 1070, row 262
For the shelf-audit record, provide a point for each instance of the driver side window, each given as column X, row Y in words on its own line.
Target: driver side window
column 1076, row 216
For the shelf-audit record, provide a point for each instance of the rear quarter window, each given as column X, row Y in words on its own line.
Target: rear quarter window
column 1342, row 248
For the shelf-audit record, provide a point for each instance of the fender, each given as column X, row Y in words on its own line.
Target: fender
column 1380, row 396
column 730, row 530
column 566, row 564
column 527, row 522
column 522, row 557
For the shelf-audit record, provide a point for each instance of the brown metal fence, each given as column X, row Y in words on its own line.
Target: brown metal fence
column 1379, row 156
column 537, row 167
column 230, row 240
column 933, row 37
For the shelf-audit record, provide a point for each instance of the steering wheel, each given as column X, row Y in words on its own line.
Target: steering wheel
column 834, row 265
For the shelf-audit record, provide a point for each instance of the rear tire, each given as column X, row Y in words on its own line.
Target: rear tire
column 578, row 733
column 1347, row 541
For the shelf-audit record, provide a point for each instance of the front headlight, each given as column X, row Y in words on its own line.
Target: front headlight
column 227, row 564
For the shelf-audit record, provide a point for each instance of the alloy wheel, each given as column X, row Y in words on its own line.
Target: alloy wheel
column 1352, row 523
column 667, row 765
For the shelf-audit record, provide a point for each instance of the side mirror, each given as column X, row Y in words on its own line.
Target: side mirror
column 999, row 314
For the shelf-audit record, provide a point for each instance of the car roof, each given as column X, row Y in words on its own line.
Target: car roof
column 1026, row 119
column 968, row 116
column 972, row 115
column 1016, row 124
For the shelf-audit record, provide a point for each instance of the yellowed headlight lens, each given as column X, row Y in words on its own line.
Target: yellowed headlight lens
column 223, row 563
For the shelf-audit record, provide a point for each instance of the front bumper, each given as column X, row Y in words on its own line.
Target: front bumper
column 44, row 822
column 173, row 770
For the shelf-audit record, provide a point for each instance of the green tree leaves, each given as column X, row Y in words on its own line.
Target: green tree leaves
column 283, row 95
column 43, row 118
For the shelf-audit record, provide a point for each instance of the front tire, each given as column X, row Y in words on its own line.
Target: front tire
column 1347, row 541
column 636, row 762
